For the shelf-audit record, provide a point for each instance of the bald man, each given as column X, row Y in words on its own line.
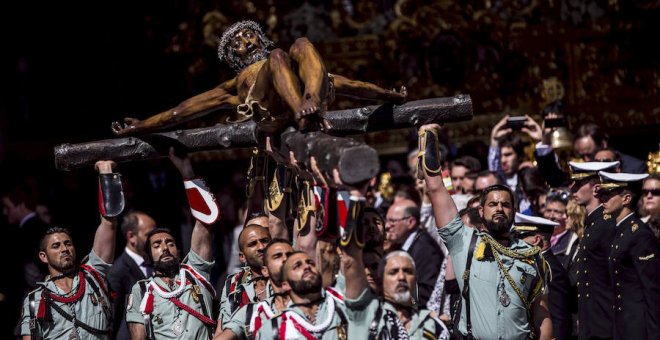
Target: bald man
column 402, row 226
column 248, row 285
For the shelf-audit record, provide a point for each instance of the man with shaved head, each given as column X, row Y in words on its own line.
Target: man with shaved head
column 313, row 312
column 402, row 227
column 248, row 285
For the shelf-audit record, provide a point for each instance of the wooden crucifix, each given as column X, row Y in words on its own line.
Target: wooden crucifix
column 272, row 91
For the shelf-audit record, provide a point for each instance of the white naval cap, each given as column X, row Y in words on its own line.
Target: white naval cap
column 525, row 224
column 619, row 179
column 580, row 170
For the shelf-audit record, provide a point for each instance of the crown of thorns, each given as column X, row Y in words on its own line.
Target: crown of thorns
column 235, row 28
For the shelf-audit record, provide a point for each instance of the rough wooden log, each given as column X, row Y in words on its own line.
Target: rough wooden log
column 242, row 135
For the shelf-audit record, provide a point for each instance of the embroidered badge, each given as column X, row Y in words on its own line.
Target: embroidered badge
column 647, row 257
column 634, row 227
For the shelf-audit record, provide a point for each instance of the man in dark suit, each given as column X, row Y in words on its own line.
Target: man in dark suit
column 130, row 266
column 402, row 227
column 591, row 262
column 26, row 228
column 537, row 231
column 634, row 260
column 590, row 138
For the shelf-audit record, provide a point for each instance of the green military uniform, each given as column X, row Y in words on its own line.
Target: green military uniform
column 331, row 321
column 169, row 320
column 91, row 309
column 237, row 292
column 372, row 318
column 496, row 309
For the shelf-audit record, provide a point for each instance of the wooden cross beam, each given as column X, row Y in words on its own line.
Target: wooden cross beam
column 332, row 152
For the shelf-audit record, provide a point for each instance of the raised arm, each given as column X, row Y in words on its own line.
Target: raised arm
column 444, row 209
column 104, row 239
column 364, row 90
column 197, row 106
column 202, row 204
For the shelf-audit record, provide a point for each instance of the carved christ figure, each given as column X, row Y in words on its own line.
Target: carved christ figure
column 272, row 87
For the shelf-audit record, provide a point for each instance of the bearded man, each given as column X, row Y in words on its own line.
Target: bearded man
column 503, row 285
column 176, row 302
column 313, row 312
column 272, row 86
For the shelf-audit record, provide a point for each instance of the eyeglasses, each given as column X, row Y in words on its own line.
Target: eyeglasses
column 394, row 220
column 653, row 192
column 561, row 194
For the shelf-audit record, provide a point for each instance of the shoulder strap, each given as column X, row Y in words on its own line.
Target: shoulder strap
column 148, row 325
column 205, row 312
column 373, row 328
column 32, row 306
column 466, row 282
column 79, row 323
column 273, row 324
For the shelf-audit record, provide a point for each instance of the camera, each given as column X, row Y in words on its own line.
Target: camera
column 516, row 123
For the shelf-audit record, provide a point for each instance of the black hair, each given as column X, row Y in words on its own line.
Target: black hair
column 282, row 271
column 515, row 142
column 273, row 242
column 497, row 187
column 50, row 231
column 147, row 245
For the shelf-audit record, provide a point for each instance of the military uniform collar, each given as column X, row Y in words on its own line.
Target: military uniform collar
column 594, row 210
column 625, row 218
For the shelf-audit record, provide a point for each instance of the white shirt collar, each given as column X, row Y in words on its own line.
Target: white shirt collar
column 27, row 217
column 136, row 257
column 589, row 213
column 625, row 218
column 409, row 240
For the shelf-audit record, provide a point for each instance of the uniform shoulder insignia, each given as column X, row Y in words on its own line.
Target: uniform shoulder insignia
column 647, row 257
column 606, row 217
column 634, row 227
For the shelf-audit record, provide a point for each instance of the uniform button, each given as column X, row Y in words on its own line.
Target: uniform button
column 585, row 271
column 618, row 296
column 587, row 284
column 578, row 260
column 584, row 247
column 584, row 259
column 618, row 284
column 609, row 257
column 621, row 235
column 587, row 235
column 619, row 308
column 617, row 247
column 578, row 283
column 616, row 271
column 578, row 295
column 612, row 246
column 587, row 295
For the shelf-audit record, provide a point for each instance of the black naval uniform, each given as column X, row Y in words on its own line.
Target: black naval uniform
column 635, row 272
column 594, row 284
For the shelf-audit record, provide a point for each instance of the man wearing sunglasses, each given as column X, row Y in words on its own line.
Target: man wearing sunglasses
column 634, row 260
column 591, row 262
